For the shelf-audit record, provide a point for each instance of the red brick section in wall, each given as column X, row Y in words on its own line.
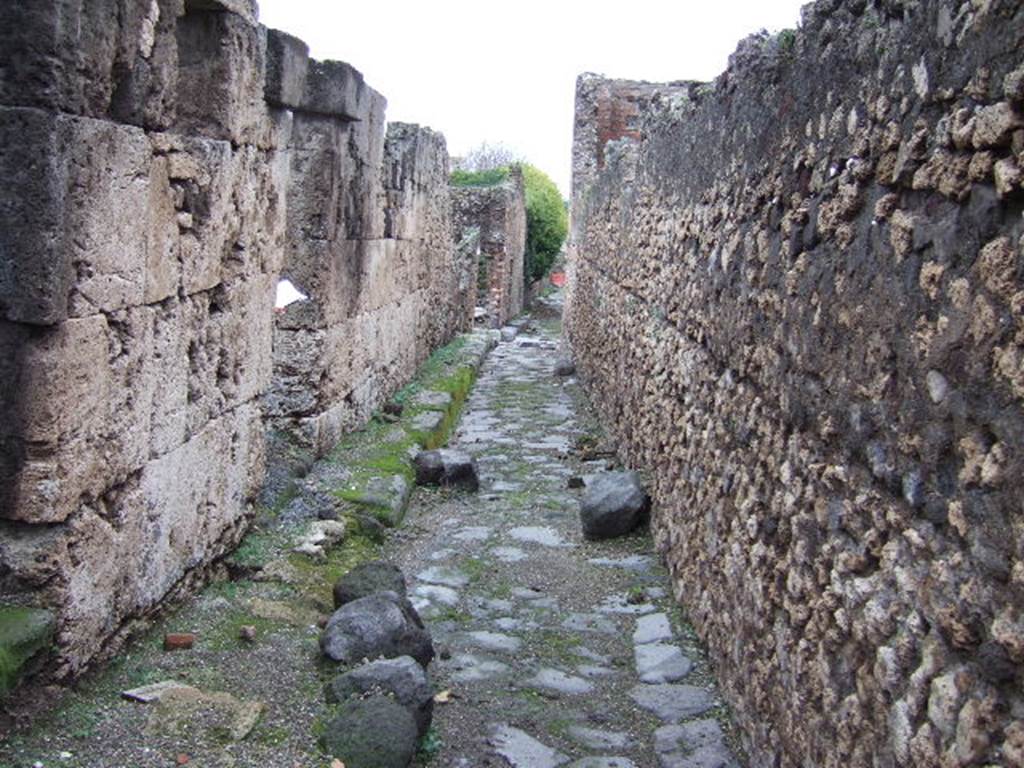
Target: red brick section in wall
column 617, row 112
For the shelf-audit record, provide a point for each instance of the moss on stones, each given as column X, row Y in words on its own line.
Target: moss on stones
column 24, row 633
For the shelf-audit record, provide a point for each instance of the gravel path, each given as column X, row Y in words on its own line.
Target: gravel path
column 555, row 650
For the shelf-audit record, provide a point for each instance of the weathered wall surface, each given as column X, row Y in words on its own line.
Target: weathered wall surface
column 797, row 297
column 498, row 213
column 163, row 163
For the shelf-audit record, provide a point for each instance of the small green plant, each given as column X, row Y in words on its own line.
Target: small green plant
column 786, row 40
column 430, row 746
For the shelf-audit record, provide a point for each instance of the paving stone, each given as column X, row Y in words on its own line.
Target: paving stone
column 696, row 744
column 470, row 668
column 660, row 663
column 537, row 534
column 622, row 604
column 521, row 750
column 436, row 593
column 586, row 653
column 652, row 628
column 597, row 739
column 493, row 641
column 473, row 533
column 439, row 574
column 641, row 563
column 593, row 671
column 436, row 400
column 555, row 680
column 509, row 554
column 672, row 702
column 591, row 622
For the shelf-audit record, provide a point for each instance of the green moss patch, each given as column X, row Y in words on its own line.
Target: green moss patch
column 384, row 449
column 24, row 632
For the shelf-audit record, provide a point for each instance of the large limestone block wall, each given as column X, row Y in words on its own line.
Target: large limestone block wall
column 496, row 217
column 797, row 298
column 373, row 209
column 165, row 162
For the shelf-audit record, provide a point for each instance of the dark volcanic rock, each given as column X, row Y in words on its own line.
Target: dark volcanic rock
column 402, row 678
column 367, row 579
column 613, row 505
column 446, row 467
column 383, row 624
column 377, row 732
column 565, row 367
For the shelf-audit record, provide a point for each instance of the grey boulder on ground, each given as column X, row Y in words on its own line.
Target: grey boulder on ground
column 383, row 624
column 564, row 366
column 402, row 678
column 367, row 579
column 376, row 732
column 613, row 505
column 447, row 467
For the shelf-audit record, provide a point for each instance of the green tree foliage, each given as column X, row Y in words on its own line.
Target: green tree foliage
column 490, row 177
column 547, row 222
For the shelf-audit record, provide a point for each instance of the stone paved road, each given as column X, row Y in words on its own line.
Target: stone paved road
column 556, row 651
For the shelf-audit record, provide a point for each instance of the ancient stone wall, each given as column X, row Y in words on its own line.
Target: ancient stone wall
column 498, row 214
column 165, row 162
column 797, row 298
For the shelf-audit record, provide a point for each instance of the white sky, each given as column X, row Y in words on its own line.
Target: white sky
column 506, row 74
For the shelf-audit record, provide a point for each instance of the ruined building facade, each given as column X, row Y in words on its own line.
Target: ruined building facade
column 166, row 163
column 797, row 296
column 494, row 219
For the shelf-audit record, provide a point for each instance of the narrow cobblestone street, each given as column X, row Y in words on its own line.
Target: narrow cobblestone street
column 555, row 650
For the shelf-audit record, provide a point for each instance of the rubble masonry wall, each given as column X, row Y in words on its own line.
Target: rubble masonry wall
column 796, row 295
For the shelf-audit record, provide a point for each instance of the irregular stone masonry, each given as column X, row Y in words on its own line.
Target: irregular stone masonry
column 165, row 164
column 797, row 297
column 497, row 215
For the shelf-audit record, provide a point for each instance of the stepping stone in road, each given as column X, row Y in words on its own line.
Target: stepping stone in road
column 652, row 628
column 697, row 744
column 672, row 702
column 521, row 750
column 558, row 681
column 660, row 663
